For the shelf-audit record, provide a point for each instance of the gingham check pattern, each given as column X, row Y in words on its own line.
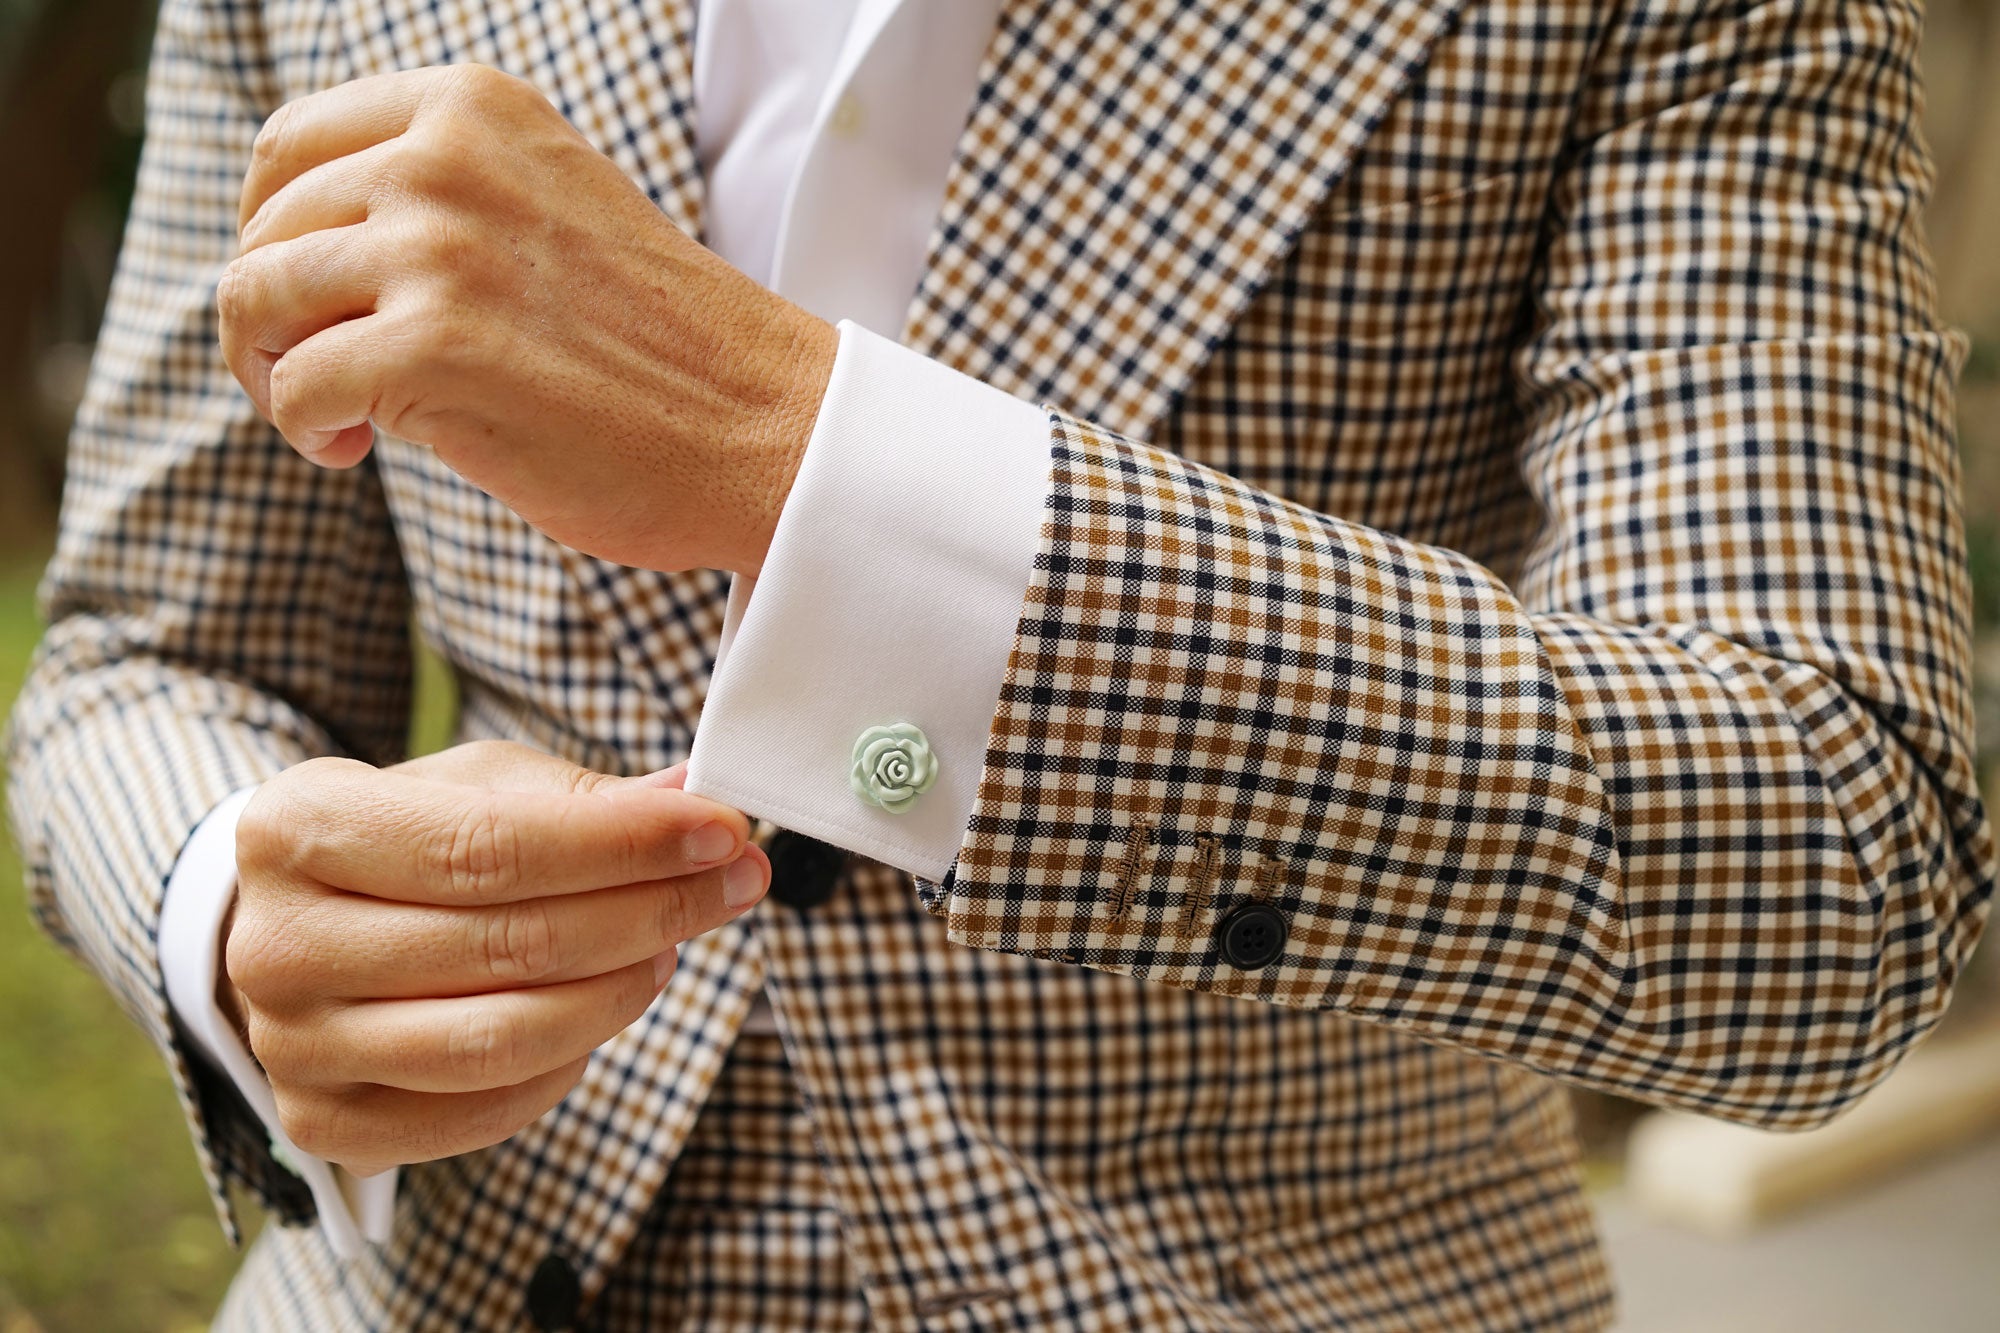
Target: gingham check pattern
column 742, row 1236
column 1503, row 513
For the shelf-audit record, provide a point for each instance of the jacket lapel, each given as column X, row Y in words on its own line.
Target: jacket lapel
column 1132, row 170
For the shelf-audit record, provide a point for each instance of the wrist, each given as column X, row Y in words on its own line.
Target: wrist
column 802, row 348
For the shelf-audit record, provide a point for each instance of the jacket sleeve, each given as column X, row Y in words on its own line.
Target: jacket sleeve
column 218, row 608
column 1687, row 810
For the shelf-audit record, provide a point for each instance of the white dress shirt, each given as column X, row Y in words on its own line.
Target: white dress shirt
column 897, row 571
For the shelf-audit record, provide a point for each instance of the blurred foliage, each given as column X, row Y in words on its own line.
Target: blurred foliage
column 1982, row 517
column 72, row 107
column 1982, row 551
column 1982, row 362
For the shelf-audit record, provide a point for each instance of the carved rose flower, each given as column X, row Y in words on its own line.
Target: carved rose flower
column 893, row 766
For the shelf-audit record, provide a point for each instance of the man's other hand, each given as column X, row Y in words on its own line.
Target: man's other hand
column 437, row 252
column 424, row 957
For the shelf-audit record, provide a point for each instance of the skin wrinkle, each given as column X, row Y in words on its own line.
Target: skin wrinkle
column 609, row 379
column 445, row 1018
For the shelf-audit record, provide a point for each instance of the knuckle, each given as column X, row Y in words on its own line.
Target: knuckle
column 421, row 1143
column 635, row 992
column 442, row 268
column 258, row 958
column 450, row 251
column 248, row 237
column 481, row 1044
column 292, row 1051
column 471, row 1130
column 471, row 78
column 489, row 753
column 488, row 1125
column 319, row 772
column 486, row 83
column 521, row 943
column 638, row 851
column 437, row 312
column 670, row 911
column 232, row 293
column 498, row 1119
column 428, row 159
column 263, row 830
column 477, row 856
column 268, row 1044
column 273, row 137
column 311, row 1120
column 284, row 827
column 288, row 386
column 463, row 98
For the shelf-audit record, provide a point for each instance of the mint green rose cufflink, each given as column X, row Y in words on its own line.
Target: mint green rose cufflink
column 893, row 766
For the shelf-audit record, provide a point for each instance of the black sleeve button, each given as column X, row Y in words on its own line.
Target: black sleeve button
column 1251, row 936
column 554, row 1295
column 804, row 870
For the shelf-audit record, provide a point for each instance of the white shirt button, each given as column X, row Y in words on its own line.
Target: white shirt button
column 846, row 118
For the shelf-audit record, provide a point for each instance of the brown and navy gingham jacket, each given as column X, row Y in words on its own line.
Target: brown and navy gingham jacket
column 1503, row 515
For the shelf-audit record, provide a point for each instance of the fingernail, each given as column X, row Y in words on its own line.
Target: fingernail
column 663, row 967
column 710, row 842
column 742, row 884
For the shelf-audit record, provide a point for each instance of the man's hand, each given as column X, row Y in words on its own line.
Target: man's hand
column 424, row 957
column 439, row 253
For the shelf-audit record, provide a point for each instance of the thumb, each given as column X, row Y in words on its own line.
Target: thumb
column 672, row 779
column 505, row 766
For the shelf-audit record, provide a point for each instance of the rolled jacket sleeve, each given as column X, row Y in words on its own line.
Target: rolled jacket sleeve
column 892, row 595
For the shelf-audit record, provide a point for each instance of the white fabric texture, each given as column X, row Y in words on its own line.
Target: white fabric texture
column 857, row 218
column 825, row 129
column 891, row 594
column 761, row 71
column 894, row 583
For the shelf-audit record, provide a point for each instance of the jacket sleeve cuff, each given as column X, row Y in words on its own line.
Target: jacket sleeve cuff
column 203, row 884
column 891, row 594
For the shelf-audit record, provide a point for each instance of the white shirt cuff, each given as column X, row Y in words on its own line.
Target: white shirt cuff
column 352, row 1211
column 892, row 593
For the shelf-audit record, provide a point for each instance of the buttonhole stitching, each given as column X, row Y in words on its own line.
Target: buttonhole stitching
column 1270, row 874
column 1125, row 888
column 1207, row 864
column 932, row 1306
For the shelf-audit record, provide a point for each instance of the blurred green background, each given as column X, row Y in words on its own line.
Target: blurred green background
column 104, row 1223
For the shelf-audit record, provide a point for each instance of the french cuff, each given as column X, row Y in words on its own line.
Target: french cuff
column 352, row 1211
column 854, row 692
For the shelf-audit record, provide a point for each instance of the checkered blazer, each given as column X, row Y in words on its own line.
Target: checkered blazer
column 1503, row 516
